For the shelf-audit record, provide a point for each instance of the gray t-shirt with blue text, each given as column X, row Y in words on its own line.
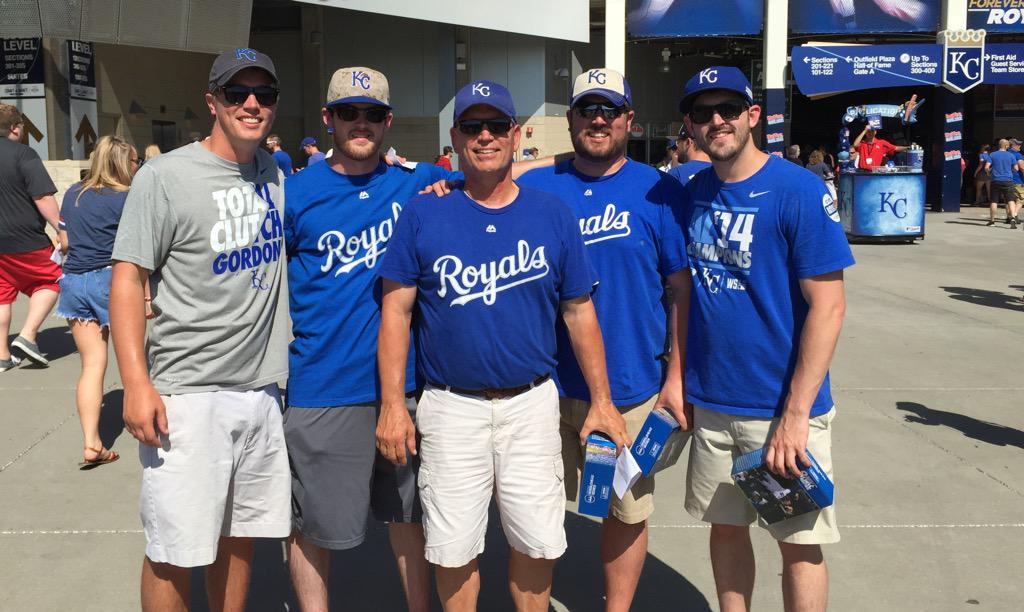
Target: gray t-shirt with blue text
column 210, row 231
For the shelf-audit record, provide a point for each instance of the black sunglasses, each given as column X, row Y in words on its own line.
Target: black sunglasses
column 607, row 111
column 374, row 114
column 728, row 111
column 472, row 127
column 266, row 95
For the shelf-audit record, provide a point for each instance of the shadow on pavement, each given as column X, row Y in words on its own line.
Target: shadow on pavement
column 984, row 297
column 365, row 578
column 983, row 431
column 112, row 417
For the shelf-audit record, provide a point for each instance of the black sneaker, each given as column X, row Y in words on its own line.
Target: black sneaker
column 28, row 350
column 1013, row 224
column 990, row 223
column 8, row 364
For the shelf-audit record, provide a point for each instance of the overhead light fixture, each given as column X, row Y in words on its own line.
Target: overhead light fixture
column 666, row 55
column 189, row 115
column 562, row 73
column 134, row 108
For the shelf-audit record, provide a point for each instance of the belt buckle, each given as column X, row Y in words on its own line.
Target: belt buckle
column 493, row 394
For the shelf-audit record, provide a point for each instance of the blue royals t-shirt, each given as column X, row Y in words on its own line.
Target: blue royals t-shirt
column 1018, row 179
column 631, row 226
column 749, row 244
column 1004, row 165
column 490, row 282
column 336, row 231
column 685, row 171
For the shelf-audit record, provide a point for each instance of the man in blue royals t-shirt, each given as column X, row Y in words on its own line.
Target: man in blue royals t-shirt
column 694, row 160
column 337, row 228
column 628, row 214
column 489, row 268
column 767, row 254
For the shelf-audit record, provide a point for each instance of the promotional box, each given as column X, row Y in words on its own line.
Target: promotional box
column 598, row 472
column 659, row 442
column 777, row 498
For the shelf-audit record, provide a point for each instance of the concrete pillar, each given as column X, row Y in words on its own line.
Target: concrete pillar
column 774, row 116
column 954, row 15
column 944, row 175
column 314, row 76
column 55, row 72
column 615, row 35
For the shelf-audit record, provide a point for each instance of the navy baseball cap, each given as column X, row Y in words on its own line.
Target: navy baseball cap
column 485, row 92
column 308, row 140
column 716, row 78
column 230, row 63
column 672, row 144
column 604, row 82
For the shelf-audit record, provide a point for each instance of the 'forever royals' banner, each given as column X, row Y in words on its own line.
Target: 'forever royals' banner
column 996, row 15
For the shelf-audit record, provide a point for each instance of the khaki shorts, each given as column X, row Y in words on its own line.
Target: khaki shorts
column 638, row 504
column 711, row 495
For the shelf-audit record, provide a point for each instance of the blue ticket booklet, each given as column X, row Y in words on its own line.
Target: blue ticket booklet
column 777, row 498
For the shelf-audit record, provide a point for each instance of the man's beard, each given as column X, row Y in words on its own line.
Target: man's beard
column 349, row 150
column 741, row 136
column 615, row 150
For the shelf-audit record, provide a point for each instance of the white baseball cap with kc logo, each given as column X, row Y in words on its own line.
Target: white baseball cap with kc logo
column 358, row 85
column 604, row 82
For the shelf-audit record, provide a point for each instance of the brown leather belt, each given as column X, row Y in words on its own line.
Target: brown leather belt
column 493, row 394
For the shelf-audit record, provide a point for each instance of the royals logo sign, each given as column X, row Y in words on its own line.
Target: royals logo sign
column 963, row 53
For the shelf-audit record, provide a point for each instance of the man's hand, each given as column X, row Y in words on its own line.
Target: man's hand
column 605, row 418
column 671, row 398
column 787, row 445
column 440, row 188
column 145, row 416
column 395, row 433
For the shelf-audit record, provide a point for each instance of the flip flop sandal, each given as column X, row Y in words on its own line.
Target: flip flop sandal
column 105, row 456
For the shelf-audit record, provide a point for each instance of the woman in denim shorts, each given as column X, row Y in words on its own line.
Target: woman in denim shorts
column 89, row 218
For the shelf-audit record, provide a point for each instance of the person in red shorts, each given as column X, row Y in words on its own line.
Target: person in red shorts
column 26, row 206
column 872, row 151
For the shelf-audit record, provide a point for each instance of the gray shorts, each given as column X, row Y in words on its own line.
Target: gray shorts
column 338, row 476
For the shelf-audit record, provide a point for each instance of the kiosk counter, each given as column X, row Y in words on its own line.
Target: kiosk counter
column 887, row 203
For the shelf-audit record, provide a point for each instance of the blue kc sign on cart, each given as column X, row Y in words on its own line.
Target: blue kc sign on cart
column 882, row 205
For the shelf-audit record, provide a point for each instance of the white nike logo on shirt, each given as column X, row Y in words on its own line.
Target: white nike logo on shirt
column 759, row 193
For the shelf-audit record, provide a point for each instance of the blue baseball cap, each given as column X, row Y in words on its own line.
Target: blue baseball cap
column 716, row 78
column 308, row 140
column 604, row 82
column 485, row 92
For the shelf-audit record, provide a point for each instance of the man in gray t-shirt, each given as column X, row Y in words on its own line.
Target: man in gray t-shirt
column 203, row 225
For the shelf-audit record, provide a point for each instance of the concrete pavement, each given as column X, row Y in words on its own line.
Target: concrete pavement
column 928, row 450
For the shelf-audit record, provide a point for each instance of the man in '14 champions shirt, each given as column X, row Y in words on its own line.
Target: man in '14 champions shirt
column 767, row 252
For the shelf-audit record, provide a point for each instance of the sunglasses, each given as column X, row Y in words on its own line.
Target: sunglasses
column 375, row 114
column 266, row 95
column 607, row 111
column 728, row 111
column 472, row 127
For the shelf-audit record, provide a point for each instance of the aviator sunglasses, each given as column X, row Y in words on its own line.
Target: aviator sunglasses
column 266, row 95
column 608, row 112
column 728, row 111
column 472, row 127
column 374, row 114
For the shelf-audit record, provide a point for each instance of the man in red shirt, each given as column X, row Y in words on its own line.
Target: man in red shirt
column 871, row 151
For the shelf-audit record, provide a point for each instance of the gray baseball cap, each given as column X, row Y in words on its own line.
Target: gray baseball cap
column 230, row 63
column 358, row 84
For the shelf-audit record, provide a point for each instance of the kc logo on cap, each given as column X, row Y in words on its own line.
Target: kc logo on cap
column 358, row 85
column 489, row 93
column 604, row 82
column 728, row 78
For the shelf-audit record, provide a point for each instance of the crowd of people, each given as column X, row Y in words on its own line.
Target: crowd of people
column 456, row 336
column 999, row 175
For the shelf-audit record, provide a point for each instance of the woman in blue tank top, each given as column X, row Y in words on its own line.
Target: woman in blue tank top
column 89, row 217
